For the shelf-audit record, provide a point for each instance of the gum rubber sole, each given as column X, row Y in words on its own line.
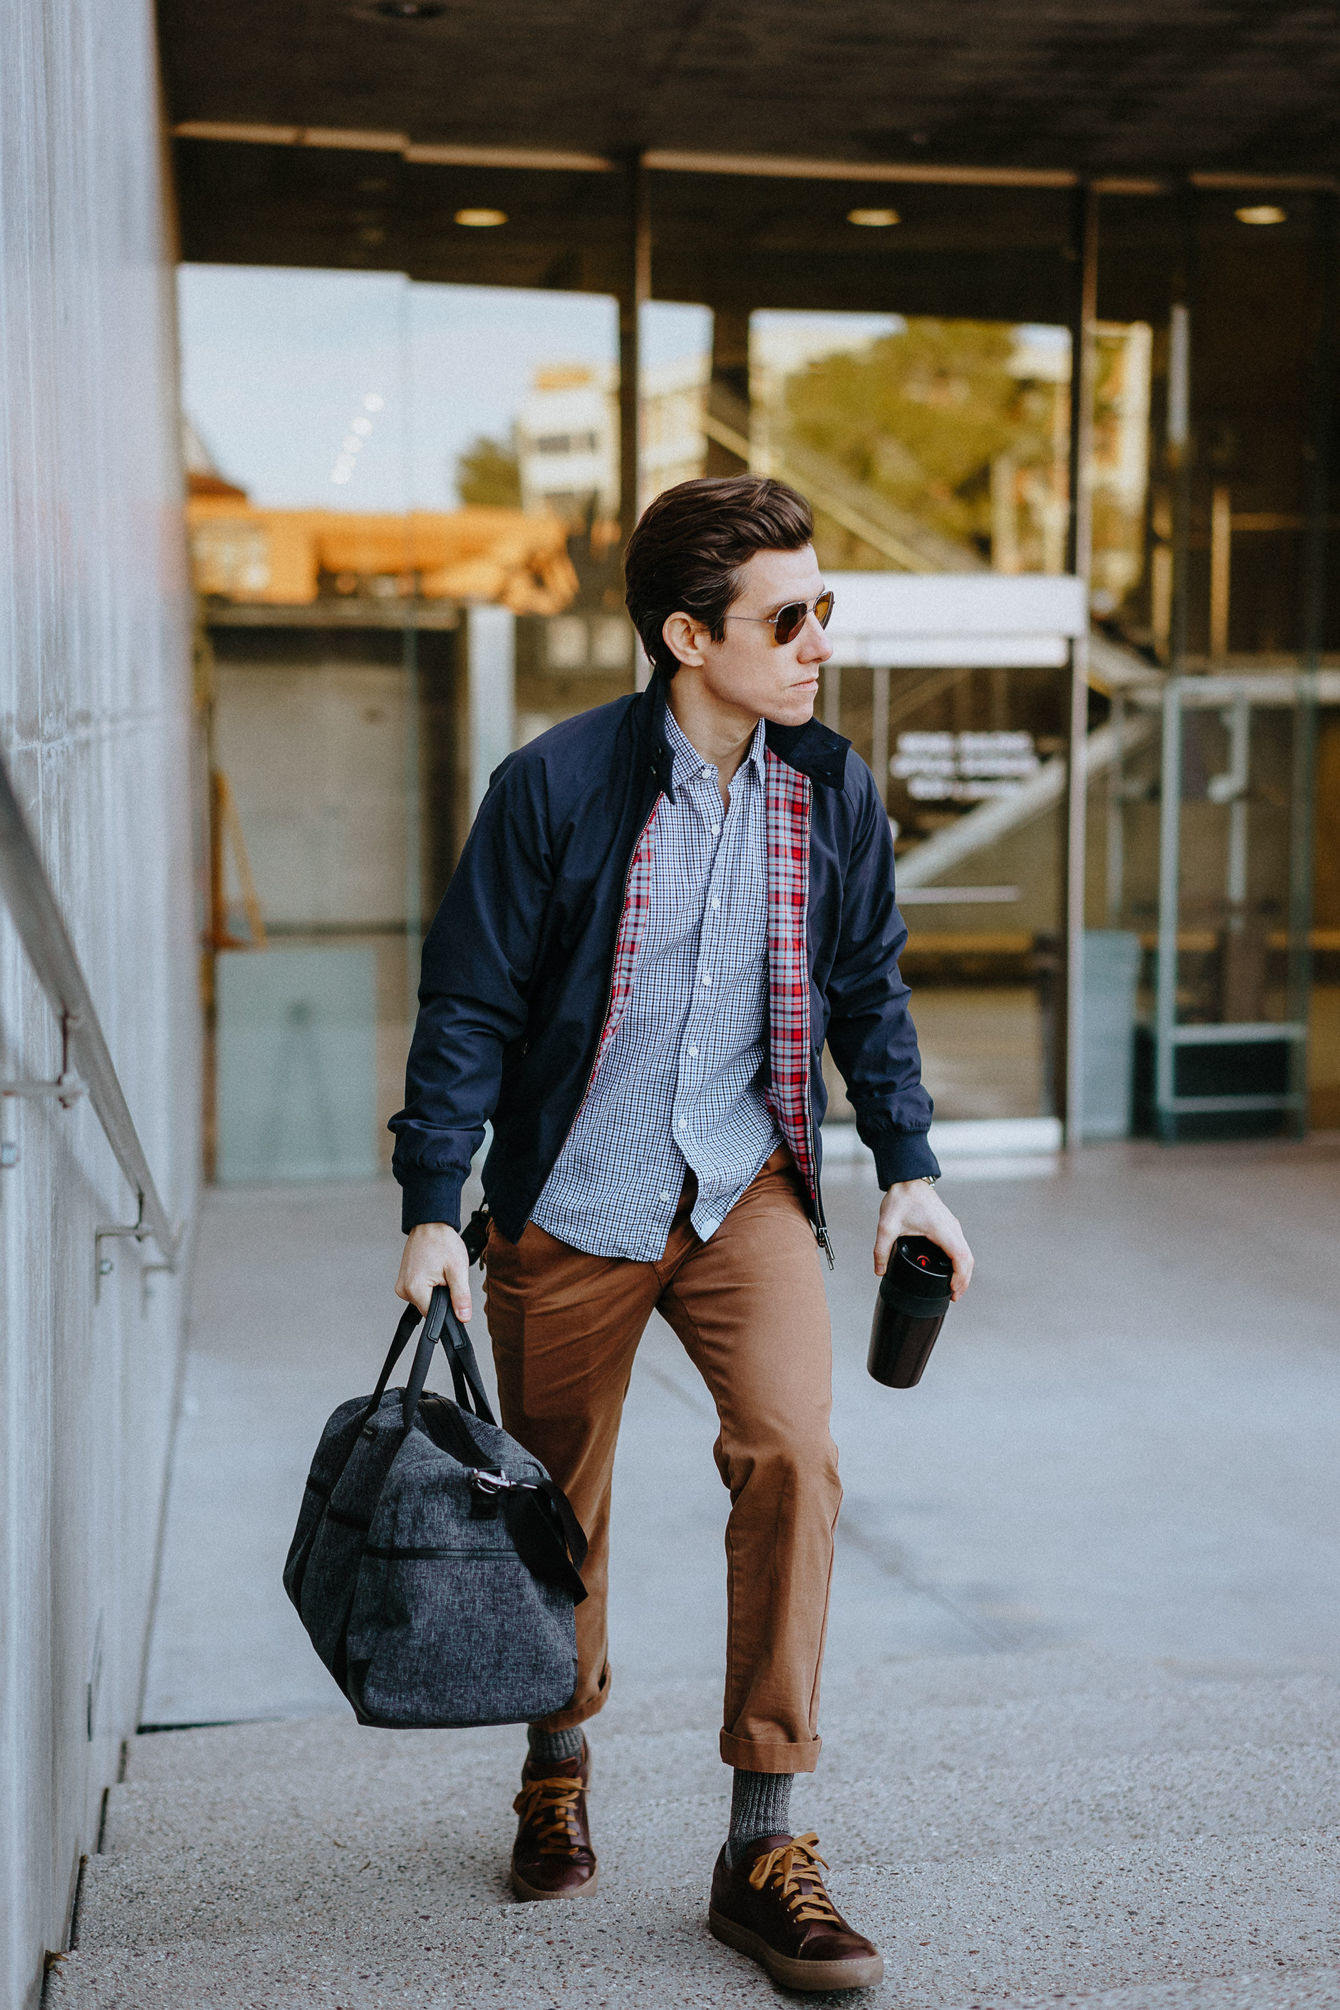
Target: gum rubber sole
column 524, row 1890
column 861, row 1973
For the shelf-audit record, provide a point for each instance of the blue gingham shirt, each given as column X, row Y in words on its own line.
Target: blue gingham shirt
column 684, row 1077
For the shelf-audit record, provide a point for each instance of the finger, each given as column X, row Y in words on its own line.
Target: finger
column 885, row 1236
column 456, row 1277
column 956, row 1248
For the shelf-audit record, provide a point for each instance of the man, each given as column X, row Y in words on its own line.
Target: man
column 664, row 909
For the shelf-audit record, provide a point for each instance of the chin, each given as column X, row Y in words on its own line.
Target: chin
column 801, row 708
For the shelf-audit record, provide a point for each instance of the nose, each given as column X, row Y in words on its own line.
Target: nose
column 815, row 646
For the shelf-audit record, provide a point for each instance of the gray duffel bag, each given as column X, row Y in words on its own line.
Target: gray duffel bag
column 435, row 1564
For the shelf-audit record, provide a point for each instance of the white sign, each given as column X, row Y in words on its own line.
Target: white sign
column 963, row 767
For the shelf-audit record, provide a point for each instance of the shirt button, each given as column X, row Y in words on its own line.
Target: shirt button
column 694, row 1052
column 716, row 830
column 666, row 1193
column 715, row 901
column 706, row 978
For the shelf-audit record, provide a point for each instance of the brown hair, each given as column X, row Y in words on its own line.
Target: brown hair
column 690, row 543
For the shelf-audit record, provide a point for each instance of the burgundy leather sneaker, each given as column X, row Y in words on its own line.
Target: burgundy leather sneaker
column 773, row 1905
column 552, row 1856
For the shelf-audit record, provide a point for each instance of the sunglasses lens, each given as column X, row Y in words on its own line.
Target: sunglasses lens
column 789, row 621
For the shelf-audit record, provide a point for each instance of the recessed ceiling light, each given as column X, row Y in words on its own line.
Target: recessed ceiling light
column 481, row 219
column 873, row 219
column 409, row 10
column 1261, row 212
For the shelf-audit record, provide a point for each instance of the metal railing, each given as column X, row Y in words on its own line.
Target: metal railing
column 86, row 1064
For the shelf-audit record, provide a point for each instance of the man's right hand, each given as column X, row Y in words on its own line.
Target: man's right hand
column 434, row 1254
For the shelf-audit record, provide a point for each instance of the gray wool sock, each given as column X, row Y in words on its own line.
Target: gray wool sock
column 760, row 1805
column 548, row 1747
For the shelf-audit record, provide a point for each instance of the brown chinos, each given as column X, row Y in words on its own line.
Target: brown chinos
column 749, row 1307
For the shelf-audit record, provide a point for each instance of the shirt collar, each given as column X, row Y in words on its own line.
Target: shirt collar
column 811, row 749
column 688, row 762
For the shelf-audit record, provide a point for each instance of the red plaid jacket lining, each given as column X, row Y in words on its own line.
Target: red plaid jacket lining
column 787, row 816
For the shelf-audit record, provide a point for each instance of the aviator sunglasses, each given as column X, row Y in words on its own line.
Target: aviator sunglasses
column 788, row 621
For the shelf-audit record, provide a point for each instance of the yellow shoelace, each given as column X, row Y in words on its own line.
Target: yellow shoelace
column 795, row 1866
column 550, row 1807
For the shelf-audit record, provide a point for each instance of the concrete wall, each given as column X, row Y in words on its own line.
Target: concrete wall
column 95, row 724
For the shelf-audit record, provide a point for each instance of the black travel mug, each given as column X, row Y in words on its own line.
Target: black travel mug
column 909, row 1312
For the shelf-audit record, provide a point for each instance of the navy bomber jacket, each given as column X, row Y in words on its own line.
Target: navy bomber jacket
column 518, row 964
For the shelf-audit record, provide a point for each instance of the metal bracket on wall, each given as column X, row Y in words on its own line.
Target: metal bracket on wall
column 67, row 1089
column 103, row 1265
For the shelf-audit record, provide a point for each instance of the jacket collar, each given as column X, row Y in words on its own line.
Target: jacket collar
column 812, row 749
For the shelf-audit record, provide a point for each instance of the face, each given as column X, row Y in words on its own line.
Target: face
column 750, row 672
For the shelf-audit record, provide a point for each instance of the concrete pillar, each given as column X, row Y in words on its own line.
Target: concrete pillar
column 1079, row 553
column 488, row 693
column 728, row 390
column 634, row 291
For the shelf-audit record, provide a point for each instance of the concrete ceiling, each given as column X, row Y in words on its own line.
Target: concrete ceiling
column 374, row 122
column 1106, row 86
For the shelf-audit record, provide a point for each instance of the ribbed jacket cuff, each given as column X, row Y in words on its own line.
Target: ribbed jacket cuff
column 901, row 1155
column 431, row 1197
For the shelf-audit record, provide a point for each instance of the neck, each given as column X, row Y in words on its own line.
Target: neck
column 720, row 733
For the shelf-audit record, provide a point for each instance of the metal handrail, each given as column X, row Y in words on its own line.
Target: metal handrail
column 32, row 902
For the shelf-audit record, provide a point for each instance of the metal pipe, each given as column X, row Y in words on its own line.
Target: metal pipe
column 1165, row 979
column 1302, row 832
column 1116, row 813
column 1180, row 433
column 1239, row 723
column 881, row 676
column 1221, row 562
column 1079, row 555
column 29, row 896
column 634, row 291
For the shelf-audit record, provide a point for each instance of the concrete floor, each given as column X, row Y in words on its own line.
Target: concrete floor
column 1125, row 1439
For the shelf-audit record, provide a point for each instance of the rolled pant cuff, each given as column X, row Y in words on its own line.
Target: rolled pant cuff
column 772, row 1757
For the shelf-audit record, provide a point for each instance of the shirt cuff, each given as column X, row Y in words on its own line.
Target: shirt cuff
column 431, row 1197
column 901, row 1155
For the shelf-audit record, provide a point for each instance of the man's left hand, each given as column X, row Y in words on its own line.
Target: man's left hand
column 913, row 1208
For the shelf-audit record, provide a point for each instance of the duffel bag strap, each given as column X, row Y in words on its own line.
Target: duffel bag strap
column 442, row 1324
column 409, row 1319
column 549, row 1538
column 465, row 1376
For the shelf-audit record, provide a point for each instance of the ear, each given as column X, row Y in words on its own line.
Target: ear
column 684, row 638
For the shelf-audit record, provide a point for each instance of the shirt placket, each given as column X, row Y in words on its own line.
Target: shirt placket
column 721, row 825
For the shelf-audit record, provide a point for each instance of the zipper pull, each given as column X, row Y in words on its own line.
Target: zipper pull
column 826, row 1246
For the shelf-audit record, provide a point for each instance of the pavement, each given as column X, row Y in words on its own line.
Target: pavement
column 1126, row 1435
column 1082, row 1692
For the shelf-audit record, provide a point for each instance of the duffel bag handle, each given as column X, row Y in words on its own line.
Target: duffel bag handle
column 442, row 1324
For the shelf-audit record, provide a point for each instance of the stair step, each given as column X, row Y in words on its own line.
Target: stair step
column 188, row 1841
column 866, row 1720
column 1261, row 1989
column 1027, row 1927
column 947, row 1681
